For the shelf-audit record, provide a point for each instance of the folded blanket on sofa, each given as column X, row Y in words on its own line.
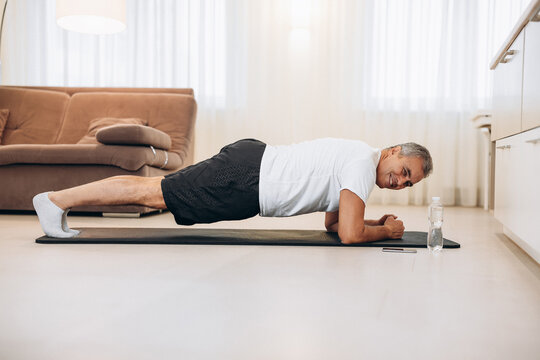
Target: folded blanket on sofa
column 126, row 134
column 100, row 123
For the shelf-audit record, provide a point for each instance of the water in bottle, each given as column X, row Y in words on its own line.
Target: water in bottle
column 435, row 215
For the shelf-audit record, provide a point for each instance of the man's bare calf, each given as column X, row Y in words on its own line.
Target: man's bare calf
column 52, row 207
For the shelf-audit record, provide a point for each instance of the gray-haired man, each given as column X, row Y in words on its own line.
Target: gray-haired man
column 249, row 177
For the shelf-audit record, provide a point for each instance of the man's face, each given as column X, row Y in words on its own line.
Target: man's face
column 397, row 172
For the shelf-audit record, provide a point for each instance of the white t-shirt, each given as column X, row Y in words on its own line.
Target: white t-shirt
column 308, row 177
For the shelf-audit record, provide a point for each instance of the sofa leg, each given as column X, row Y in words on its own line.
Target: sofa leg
column 129, row 215
column 120, row 215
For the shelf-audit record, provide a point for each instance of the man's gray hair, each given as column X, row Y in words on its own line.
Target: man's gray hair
column 411, row 149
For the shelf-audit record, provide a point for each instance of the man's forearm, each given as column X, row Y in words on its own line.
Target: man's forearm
column 369, row 233
column 374, row 233
column 372, row 222
column 368, row 223
column 333, row 227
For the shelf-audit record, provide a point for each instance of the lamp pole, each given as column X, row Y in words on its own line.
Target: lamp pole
column 1, row 31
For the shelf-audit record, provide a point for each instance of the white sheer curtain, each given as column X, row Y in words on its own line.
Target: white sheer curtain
column 383, row 71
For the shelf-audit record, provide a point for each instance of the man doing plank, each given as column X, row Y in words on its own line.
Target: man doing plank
column 249, row 178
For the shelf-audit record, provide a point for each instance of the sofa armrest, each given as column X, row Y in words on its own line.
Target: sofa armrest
column 129, row 134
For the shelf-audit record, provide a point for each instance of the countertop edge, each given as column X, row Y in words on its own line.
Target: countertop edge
column 527, row 15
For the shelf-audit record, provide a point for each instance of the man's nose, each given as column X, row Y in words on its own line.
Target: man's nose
column 402, row 180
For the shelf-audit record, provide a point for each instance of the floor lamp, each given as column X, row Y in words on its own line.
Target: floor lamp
column 1, row 31
column 91, row 16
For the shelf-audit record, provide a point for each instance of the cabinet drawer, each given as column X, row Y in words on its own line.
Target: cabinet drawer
column 531, row 77
column 507, row 92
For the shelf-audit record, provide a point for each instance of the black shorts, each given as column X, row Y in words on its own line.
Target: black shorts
column 224, row 187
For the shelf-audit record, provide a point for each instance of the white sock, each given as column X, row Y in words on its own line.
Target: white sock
column 65, row 226
column 50, row 216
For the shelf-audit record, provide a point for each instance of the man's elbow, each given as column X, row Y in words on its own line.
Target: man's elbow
column 352, row 236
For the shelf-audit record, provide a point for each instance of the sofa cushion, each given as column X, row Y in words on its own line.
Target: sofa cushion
column 174, row 114
column 126, row 134
column 35, row 116
column 102, row 122
column 4, row 113
column 126, row 157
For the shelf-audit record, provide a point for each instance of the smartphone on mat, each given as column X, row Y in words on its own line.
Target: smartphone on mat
column 399, row 250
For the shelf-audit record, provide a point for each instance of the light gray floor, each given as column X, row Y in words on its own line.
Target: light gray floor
column 254, row 302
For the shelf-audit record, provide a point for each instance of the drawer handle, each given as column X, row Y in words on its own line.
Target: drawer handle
column 504, row 147
column 533, row 141
column 508, row 56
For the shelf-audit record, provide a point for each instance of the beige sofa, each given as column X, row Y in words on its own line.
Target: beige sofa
column 39, row 150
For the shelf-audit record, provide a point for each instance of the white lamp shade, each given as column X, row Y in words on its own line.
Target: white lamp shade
column 91, row 16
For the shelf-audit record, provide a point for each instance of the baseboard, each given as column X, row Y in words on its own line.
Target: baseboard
column 528, row 249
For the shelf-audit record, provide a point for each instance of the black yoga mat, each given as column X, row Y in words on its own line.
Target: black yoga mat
column 416, row 239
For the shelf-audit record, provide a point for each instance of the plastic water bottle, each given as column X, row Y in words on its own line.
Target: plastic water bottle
column 435, row 216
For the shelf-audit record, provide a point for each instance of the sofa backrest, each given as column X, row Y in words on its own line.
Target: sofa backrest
column 173, row 114
column 74, row 90
column 35, row 116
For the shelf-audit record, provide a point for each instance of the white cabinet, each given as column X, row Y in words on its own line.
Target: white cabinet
column 516, row 129
column 507, row 92
column 531, row 76
column 517, row 194
column 529, row 193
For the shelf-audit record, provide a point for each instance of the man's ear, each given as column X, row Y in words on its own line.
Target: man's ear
column 395, row 150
